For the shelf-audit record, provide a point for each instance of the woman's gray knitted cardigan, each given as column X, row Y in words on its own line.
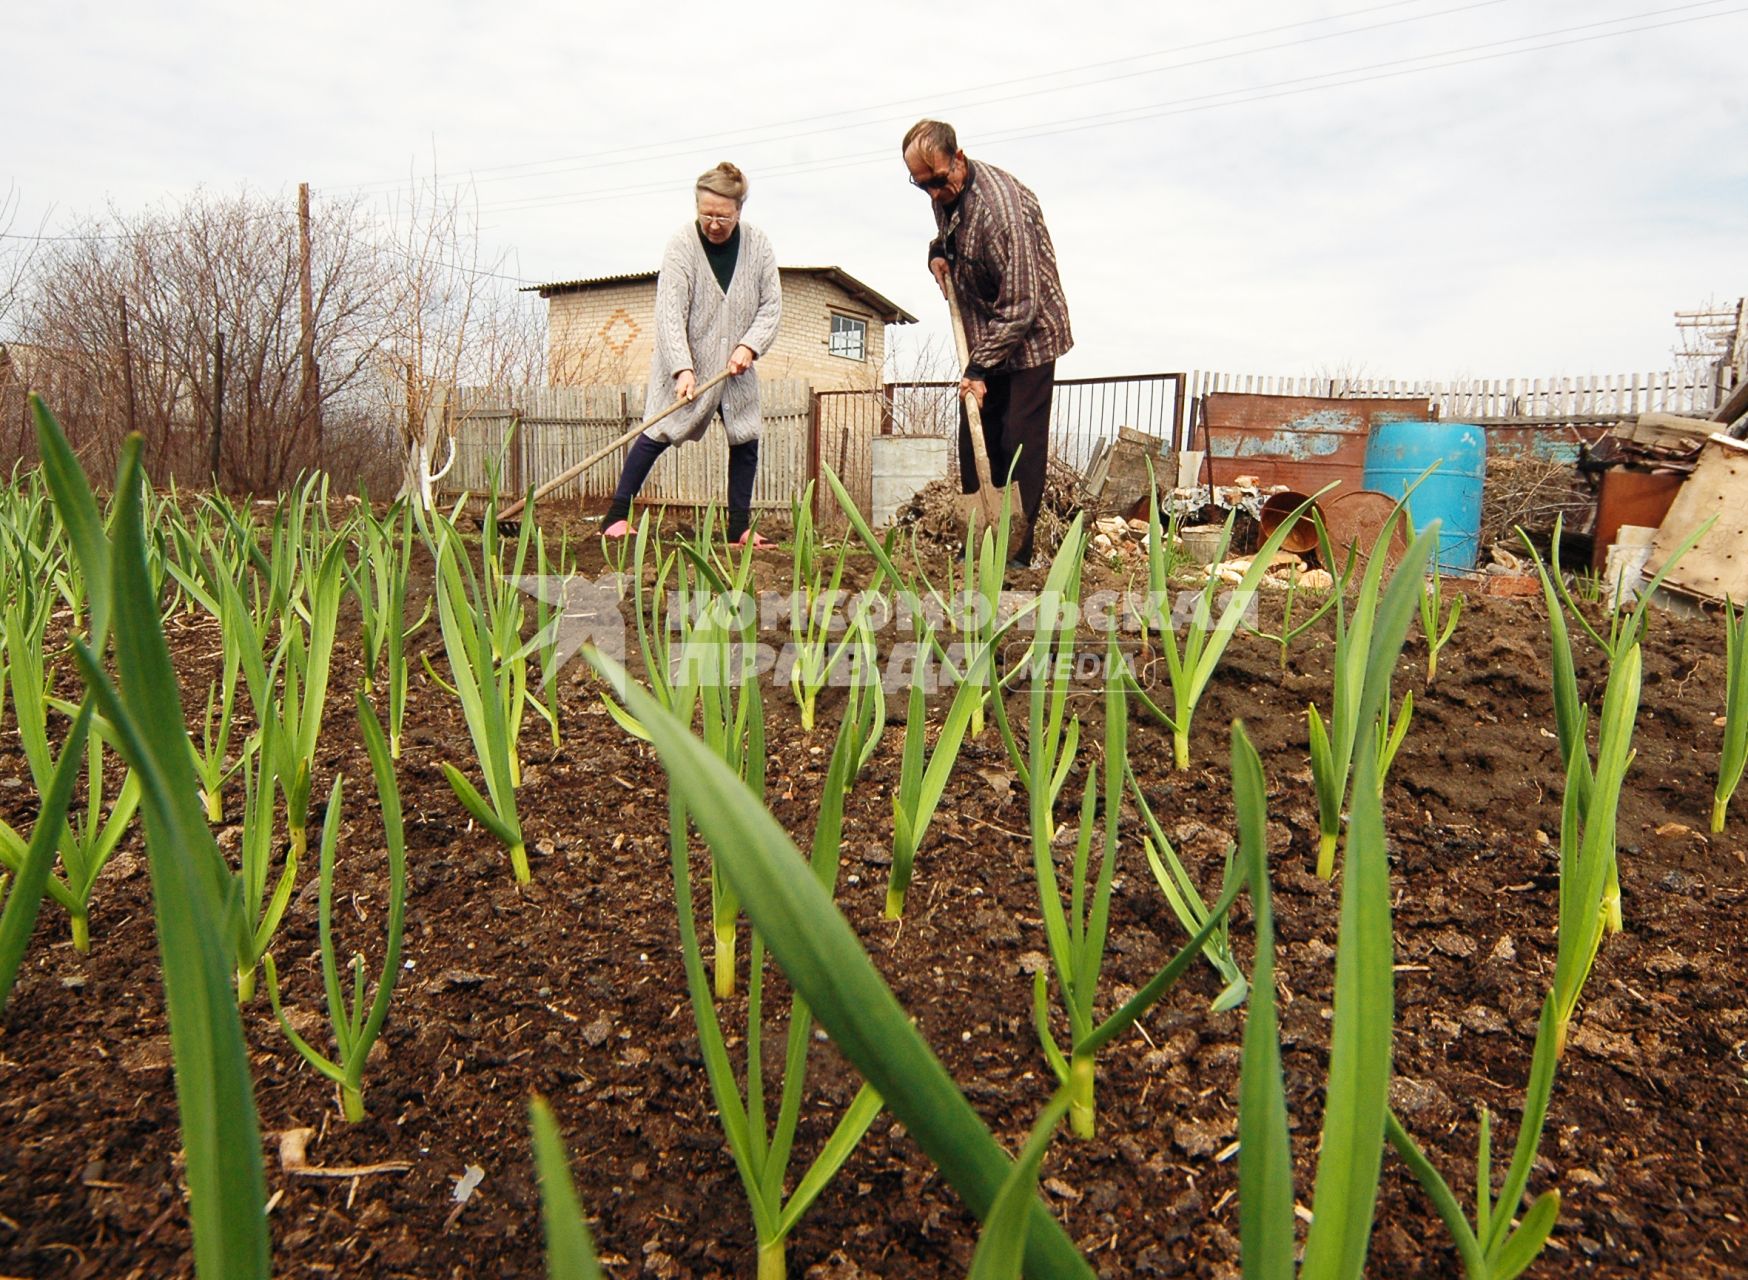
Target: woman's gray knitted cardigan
column 697, row 326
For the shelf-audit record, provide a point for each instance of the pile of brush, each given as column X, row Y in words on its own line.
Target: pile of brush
column 939, row 511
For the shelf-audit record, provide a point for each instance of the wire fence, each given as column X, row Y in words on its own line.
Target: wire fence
column 1084, row 412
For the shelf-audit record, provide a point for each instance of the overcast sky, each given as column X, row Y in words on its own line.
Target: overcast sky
column 1425, row 188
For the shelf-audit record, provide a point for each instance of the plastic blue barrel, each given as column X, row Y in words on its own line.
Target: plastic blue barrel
column 1398, row 452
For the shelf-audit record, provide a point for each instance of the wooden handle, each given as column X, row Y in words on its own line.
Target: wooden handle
column 987, row 496
column 571, row 473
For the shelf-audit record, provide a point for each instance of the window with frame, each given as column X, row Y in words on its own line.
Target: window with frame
column 849, row 337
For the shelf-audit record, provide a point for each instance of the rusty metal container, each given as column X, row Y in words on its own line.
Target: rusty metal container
column 1277, row 508
column 1630, row 497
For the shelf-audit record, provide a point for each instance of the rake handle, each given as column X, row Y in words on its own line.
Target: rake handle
column 571, row 473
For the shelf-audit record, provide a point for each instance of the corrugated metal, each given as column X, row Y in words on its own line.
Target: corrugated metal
column 1302, row 442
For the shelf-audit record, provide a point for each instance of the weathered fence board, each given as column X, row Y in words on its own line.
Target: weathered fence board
column 1690, row 392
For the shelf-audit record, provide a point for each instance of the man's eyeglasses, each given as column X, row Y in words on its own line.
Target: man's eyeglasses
column 718, row 219
column 936, row 183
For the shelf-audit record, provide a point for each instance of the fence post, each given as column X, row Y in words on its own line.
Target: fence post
column 813, row 451
column 518, row 444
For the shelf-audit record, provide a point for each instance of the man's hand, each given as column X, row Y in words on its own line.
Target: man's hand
column 740, row 360
column 685, row 385
column 976, row 388
column 938, row 268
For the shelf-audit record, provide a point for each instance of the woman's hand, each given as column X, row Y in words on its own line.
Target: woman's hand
column 685, row 385
column 740, row 360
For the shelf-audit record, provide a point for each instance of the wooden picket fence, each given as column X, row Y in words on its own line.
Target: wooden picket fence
column 523, row 436
column 1560, row 398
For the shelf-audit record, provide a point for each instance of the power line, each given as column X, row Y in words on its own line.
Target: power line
column 272, row 219
column 1030, row 93
column 1380, row 71
column 1363, row 74
column 644, row 152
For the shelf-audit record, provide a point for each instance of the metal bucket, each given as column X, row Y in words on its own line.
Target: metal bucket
column 1202, row 541
column 1274, row 513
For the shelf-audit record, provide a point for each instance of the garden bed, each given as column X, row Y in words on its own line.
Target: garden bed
column 572, row 987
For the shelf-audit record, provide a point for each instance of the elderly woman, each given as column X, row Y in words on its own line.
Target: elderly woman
column 718, row 302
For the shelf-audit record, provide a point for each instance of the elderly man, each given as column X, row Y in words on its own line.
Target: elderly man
column 990, row 233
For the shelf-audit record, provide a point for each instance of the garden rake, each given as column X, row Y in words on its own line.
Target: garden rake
column 508, row 523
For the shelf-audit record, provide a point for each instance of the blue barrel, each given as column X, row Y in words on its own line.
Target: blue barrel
column 1398, row 452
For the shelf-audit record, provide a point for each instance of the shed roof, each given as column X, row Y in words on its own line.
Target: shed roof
column 888, row 311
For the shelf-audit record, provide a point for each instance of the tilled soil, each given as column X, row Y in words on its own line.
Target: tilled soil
column 573, row 988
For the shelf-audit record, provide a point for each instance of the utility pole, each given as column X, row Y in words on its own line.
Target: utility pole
column 218, row 402
column 310, row 390
column 127, row 366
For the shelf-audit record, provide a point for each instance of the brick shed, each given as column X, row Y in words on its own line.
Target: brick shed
column 833, row 334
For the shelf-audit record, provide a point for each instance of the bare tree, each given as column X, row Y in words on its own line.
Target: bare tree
column 120, row 322
column 16, row 253
column 126, row 316
column 1347, row 379
column 923, row 382
column 453, row 318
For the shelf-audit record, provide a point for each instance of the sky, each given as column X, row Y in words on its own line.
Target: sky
column 1418, row 189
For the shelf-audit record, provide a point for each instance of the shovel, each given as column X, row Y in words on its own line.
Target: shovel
column 989, row 498
column 507, row 522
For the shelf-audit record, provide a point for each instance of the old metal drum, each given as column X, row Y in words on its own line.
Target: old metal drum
column 1400, row 451
column 1354, row 521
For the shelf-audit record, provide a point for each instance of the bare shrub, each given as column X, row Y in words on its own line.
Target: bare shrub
column 185, row 321
column 135, row 322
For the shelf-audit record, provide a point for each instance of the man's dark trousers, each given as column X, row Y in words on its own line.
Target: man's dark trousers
column 1016, row 421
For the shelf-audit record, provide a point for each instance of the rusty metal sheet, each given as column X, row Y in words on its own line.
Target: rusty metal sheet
column 1717, row 567
column 1551, row 442
column 1303, row 442
column 1630, row 497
